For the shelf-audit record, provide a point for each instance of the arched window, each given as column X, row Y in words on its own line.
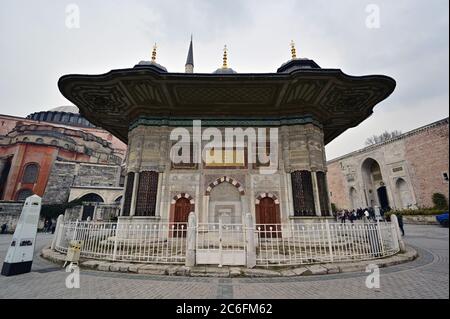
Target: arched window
column 23, row 194
column 92, row 198
column 39, row 140
column 146, row 193
column 54, row 142
column 25, row 139
column 323, row 194
column 302, row 193
column 30, row 173
column 128, row 194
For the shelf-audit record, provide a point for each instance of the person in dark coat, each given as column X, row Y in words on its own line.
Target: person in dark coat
column 400, row 223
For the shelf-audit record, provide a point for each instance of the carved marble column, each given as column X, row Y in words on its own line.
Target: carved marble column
column 134, row 196
column 122, row 203
column 316, row 193
column 158, row 195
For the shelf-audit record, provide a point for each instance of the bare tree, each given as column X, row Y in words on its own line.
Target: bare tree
column 375, row 139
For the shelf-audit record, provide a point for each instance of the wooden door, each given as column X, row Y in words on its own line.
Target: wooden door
column 181, row 215
column 267, row 216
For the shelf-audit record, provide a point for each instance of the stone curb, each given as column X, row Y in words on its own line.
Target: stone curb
column 227, row 272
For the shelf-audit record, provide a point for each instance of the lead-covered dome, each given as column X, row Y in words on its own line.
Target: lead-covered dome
column 66, row 114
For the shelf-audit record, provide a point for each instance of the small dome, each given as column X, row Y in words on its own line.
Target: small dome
column 297, row 64
column 66, row 108
column 151, row 64
column 224, row 71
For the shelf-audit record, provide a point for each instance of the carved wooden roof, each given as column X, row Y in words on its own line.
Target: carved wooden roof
column 116, row 99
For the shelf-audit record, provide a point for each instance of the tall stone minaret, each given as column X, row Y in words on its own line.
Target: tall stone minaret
column 189, row 67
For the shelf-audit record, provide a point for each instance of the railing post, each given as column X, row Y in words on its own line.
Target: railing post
column 191, row 240
column 56, row 237
column 115, row 241
column 250, row 240
column 75, row 230
column 220, row 241
column 330, row 243
column 401, row 243
column 380, row 237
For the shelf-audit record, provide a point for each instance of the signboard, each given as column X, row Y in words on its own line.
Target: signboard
column 378, row 216
column 19, row 257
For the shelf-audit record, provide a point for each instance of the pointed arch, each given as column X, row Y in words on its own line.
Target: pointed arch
column 225, row 179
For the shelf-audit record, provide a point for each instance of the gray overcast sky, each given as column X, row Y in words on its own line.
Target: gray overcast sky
column 411, row 45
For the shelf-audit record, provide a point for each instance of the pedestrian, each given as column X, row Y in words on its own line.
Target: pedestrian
column 342, row 216
column 4, row 228
column 49, row 226
column 366, row 216
column 53, row 226
column 400, row 223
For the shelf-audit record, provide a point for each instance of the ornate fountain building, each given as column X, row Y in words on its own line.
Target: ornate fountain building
column 307, row 105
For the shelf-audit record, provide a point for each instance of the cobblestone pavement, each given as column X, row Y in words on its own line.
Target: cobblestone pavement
column 426, row 277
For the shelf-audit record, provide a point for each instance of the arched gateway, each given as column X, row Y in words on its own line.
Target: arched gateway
column 181, row 206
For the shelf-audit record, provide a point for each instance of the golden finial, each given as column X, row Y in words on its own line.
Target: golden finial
column 225, row 65
column 293, row 51
column 154, row 53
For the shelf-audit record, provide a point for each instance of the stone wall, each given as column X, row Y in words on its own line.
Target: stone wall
column 337, row 186
column 300, row 147
column 60, row 180
column 97, row 175
column 64, row 175
column 428, row 156
column 417, row 160
column 10, row 213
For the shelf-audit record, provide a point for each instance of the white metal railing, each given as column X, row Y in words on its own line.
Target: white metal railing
column 297, row 244
column 219, row 243
column 157, row 242
column 230, row 244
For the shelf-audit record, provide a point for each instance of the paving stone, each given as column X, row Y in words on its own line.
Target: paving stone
column 153, row 269
column 183, row 271
column 135, row 267
column 115, row 267
column 172, row 270
column 216, row 272
column 331, row 268
column 198, row 271
column 353, row 267
column 104, row 266
column 260, row 273
column 288, row 273
column 302, row 271
column 91, row 264
column 235, row 272
column 124, row 267
column 317, row 270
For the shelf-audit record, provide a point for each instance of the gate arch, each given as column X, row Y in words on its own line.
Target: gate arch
column 181, row 198
column 224, row 179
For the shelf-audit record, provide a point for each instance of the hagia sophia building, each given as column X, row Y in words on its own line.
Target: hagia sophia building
column 58, row 155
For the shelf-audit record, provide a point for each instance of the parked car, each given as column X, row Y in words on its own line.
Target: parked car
column 443, row 219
